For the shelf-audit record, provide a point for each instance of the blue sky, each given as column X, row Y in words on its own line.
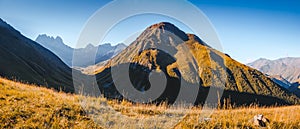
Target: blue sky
column 248, row 30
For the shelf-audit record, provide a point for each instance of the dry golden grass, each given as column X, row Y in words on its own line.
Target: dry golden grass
column 28, row 106
column 280, row 117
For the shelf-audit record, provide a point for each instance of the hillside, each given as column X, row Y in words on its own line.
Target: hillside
column 57, row 46
column 185, row 58
column 25, row 60
column 280, row 81
column 29, row 106
column 295, row 87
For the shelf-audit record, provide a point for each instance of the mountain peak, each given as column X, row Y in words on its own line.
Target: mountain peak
column 45, row 39
column 90, row 46
column 121, row 45
column 163, row 31
column 162, row 25
column 44, row 36
column 58, row 39
column 265, row 59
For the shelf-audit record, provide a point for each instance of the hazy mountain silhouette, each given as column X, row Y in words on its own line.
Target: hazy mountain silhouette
column 58, row 47
column 288, row 68
column 166, row 49
column 25, row 60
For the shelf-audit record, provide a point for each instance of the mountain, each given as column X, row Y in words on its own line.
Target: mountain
column 164, row 51
column 280, row 81
column 288, row 68
column 25, row 60
column 57, row 46
column 295, row 87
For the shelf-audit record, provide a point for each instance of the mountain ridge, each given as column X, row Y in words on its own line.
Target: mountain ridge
column 205, row 66
column 25, row 60
column 65, row 52
column 288, row 67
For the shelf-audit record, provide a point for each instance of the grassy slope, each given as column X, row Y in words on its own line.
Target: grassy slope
column 239, row 77
column 27, row 106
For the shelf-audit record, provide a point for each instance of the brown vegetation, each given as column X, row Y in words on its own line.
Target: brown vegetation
column 29, row 106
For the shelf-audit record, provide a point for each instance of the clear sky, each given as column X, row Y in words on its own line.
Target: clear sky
column 248, row 29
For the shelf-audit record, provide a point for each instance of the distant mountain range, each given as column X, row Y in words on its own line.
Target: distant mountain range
column 25, row 60
column 58, row 47
column 284, row 71
column 162, row 47
column 288, row 68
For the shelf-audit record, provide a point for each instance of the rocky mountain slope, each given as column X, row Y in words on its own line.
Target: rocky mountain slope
column 280, row 81
column 186, row 59
column 25, row 60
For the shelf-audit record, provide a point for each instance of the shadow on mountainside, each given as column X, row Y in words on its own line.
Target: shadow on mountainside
column 140, row 80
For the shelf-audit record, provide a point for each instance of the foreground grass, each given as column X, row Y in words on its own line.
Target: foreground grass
column 28, row 106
